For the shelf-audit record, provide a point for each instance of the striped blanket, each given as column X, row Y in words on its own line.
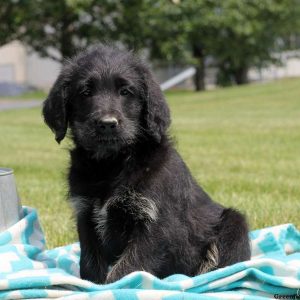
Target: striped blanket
column 28, row 270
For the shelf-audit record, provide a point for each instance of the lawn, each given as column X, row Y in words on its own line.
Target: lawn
column 242, row 144
column 30, row 95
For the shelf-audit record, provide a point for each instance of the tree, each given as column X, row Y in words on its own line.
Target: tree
column 236, row 34
column 60, row 28
column 11, row 16
column 250, row 34
column 183, row 33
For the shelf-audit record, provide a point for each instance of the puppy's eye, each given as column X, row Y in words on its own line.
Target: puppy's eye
column 86, row 92
column 125, row 92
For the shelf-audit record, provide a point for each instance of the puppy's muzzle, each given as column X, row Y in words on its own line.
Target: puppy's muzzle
column 106, row 124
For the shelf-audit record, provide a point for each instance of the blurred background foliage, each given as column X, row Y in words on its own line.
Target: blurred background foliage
column 233, row 35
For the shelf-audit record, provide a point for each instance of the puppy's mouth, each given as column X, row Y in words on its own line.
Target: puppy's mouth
column 92, row 140
column 107, row 140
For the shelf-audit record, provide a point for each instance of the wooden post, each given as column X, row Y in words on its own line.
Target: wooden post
column 10, row 207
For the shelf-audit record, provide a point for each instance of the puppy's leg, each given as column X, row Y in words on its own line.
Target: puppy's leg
column 138, row 256
column 232, row 241
column 210, row 260
column 93, row 266
column 230, row 245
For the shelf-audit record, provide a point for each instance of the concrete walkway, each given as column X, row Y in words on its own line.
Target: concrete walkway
column 18, row 104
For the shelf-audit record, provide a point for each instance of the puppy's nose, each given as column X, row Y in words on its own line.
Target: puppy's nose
column 107, row 124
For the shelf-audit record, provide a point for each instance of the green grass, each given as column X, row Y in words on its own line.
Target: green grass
column 242, row 144
column 33, row 95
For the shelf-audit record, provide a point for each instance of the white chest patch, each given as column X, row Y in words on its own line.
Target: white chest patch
column 131, row 203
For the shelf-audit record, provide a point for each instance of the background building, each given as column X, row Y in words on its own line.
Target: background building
column 22, row 67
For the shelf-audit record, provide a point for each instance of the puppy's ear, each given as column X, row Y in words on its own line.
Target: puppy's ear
column 157, row 113
column 55, row 108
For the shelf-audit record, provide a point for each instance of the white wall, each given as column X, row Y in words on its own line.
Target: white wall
column 289, row 68
column 13, row 63
column 19, row 65
column 41, row 72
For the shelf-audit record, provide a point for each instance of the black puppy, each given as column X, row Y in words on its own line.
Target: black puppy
column 136, row 203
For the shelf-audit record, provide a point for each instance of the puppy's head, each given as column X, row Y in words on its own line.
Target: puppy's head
column 109, row 100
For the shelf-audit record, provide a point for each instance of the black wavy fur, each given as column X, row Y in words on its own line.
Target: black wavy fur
column 137, row 205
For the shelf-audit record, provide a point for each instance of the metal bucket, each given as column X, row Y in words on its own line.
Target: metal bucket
column 10, row 208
